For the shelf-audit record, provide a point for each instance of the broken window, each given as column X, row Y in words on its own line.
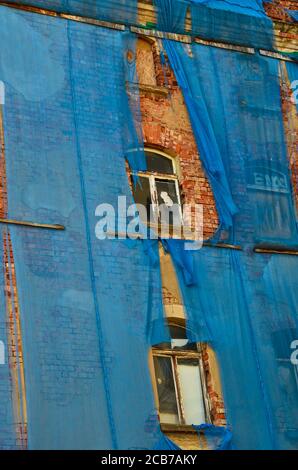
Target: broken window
column 158, row 190
column 180, row 381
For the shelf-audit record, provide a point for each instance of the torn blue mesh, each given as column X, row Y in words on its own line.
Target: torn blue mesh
column 85, row 341
column 217, row 437
column 166, row 444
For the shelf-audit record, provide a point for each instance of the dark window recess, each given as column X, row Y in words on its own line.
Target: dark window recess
column 157, row 163
column 168, row 201
column 179, row 341
column 142, row 193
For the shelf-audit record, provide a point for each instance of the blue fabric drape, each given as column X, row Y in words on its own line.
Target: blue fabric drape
column 171, row 14
column 211, row 19
column 218, row 438
column 235, row 110
column 166, row 444
column 237, row 121
column 183, row 258
column 188, row 80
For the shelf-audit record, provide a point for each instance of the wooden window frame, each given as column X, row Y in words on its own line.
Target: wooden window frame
column 152, row 176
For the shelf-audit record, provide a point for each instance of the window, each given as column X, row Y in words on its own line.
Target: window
column 180, row 382
column 158, row 189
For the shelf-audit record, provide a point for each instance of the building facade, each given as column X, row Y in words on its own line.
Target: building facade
column 64, row 370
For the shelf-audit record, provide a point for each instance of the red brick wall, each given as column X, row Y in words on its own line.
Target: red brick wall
column 277, row 9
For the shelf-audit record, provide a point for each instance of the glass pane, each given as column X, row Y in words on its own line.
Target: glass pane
column 167, row 197
column 191, row 391
column 166, row 390
column 142, row 195
column 159, row 164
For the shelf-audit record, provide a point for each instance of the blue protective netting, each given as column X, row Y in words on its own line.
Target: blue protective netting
column 85, row 342
column 234, row 104
column 218, row 437
column 90, row 309
column 216, row 20
column 292, row 69
column 248, row 303
column 211, row 19
column 121, row 11
column 243, row 304
column 8, row 433
column 189, row 82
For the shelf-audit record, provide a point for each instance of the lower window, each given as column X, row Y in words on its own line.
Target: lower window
column 180, row 381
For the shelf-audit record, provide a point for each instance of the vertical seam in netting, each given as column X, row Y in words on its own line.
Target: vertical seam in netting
column 90, row 256
column 255, row 351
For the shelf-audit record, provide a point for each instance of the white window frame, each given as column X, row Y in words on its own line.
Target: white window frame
column 153, row 176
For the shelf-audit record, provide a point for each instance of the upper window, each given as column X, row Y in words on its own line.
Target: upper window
column 180, row 382
column 158, row 189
